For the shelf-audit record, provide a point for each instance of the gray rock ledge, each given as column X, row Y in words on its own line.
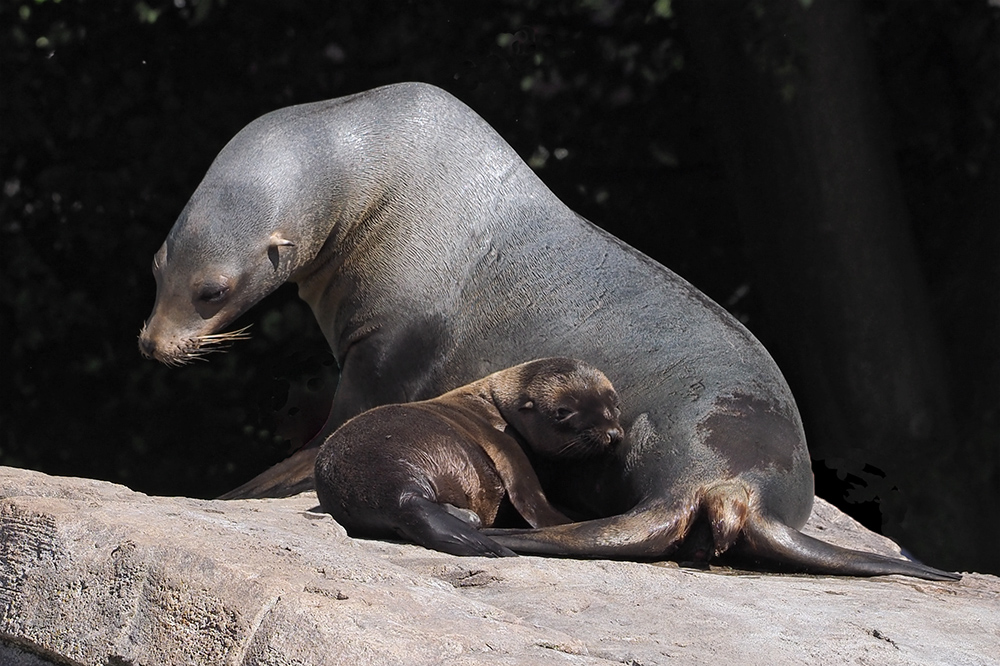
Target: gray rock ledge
column 94, row 573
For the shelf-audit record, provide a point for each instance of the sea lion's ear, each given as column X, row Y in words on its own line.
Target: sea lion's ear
column 527, row 404
column 276, row 241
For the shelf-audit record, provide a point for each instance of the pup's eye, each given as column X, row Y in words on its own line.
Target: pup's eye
column 563, row 413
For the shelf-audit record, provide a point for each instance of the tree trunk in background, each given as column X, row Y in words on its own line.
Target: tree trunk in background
column 805, row 147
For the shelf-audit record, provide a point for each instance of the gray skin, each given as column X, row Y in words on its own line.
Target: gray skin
column 433, row 472
column 431, row 255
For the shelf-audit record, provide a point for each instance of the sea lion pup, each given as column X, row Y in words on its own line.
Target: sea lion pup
column 432, row 472
column 432, row 255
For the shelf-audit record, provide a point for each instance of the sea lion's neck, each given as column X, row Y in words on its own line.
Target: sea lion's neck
column 475, row 398
column 414, row 202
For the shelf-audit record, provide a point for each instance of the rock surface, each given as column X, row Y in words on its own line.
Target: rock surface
column 93, row 573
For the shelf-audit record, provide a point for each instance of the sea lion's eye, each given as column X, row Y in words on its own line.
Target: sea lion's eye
column 563, row 413
column 213, row 293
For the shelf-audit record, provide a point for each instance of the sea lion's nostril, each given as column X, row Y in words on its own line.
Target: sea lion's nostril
column 146, row 346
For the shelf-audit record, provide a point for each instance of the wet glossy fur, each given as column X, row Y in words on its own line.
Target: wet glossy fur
column 432, row 255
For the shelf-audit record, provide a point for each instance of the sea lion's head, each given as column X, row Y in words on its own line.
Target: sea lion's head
column 237, row 240
column 226, row 252
column 565, row 408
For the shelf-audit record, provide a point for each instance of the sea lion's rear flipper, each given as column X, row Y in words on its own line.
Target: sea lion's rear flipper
column 291, row 476
column 729, row 523
column 431, row 525
column 769, row 542
column 465, row 515
column 652, row 531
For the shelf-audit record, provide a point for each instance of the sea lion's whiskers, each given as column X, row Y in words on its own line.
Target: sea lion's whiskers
column 216, row 342
column 185, row 357
column 199, row 347
column 579, row 447
column 569, row 448
column 193, row 349
column 227, row 336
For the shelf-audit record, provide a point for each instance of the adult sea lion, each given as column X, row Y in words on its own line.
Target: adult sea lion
column 431, row 255
column 433, row 472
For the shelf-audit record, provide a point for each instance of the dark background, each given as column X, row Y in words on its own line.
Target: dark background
column 826, row 170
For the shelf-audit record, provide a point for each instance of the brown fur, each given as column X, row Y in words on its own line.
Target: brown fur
column 434, row 471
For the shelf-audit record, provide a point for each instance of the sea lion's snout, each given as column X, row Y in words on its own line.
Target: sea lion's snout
column 613, row 437
column 160, row 351
column 154, row 346
column 183, row 350
column 147, row 347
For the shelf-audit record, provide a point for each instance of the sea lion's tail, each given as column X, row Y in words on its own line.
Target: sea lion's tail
column 770, row 542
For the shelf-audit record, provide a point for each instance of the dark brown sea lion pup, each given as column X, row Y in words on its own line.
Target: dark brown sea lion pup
column 432, row 255
column 433, row 472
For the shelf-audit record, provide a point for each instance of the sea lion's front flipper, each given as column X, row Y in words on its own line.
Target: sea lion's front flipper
column 433, row 526
column 522, row 485
column 291, row 476
column 644, row 532
column 769, row 542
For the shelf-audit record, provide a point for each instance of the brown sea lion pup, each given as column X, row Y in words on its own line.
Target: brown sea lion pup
column 432, row 255
column 432, row 472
